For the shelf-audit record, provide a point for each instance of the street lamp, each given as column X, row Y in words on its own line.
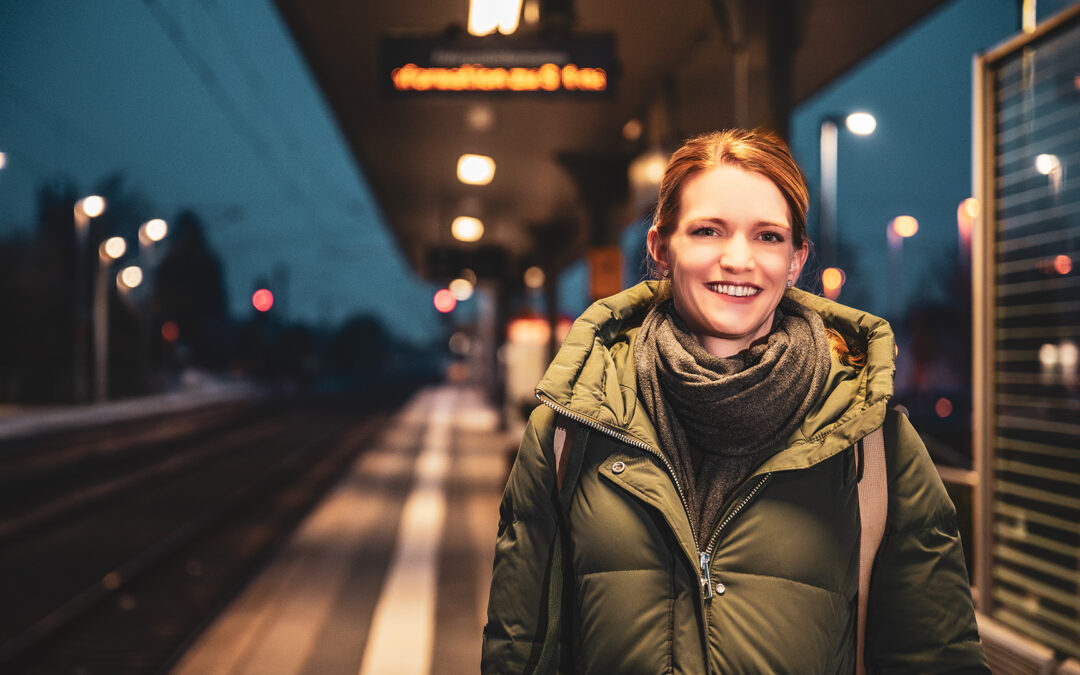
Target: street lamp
column 85, row 209
column 860, row 124
column 899, row 229
column 108, row 251
column 129, row 278
column 150, row 233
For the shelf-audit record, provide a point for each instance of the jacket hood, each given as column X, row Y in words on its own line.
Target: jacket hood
column 593, row 376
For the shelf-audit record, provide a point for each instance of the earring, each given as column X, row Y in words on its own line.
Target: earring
column 790, row 283
column 666, row 273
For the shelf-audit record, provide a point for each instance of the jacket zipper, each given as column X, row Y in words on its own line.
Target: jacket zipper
column 629, row 440
column 706, row 556
column 704, row 576
column 703, row 555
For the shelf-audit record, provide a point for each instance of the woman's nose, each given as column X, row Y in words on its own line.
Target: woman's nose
column 737, row 254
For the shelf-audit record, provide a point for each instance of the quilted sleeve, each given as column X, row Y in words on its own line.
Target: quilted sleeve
column 518, row 604
column 921, row 618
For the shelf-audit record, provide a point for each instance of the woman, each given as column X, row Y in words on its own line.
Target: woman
column 708, row 426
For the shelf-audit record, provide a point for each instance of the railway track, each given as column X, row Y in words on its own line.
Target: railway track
column 115, row 548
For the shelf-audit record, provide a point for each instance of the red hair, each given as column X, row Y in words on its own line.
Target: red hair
column 757, row 151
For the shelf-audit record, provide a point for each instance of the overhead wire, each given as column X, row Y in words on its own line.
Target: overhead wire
column 235, row 113
column 219, row 93
column 233, row 40
column 46, row 115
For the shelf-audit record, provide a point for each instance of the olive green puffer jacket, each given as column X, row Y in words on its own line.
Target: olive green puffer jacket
column 783, row 561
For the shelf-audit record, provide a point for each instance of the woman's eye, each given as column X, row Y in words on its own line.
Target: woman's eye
column 705, row 231
column 773, row 237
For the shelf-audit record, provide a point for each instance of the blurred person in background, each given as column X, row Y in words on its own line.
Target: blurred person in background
column 688, row 497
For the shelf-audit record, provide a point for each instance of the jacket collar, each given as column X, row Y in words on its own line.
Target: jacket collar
column 593, row 376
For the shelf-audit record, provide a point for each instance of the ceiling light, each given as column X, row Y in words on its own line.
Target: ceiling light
column 467, row 228
column 487, row 16
column 534, row 277
column 462, row 289
column 475, row 169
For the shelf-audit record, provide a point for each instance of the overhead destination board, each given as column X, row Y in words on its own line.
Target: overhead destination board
column 579, row 65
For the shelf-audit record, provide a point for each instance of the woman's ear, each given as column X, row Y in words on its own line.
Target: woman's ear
column 797, row 262
column 657, row 248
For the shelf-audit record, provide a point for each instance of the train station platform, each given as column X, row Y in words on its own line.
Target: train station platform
column 390, row 572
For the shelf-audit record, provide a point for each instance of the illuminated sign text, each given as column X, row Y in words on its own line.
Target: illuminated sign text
column 575, row 65
column 548, row 77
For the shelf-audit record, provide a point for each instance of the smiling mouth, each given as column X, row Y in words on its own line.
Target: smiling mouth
column 734, row 290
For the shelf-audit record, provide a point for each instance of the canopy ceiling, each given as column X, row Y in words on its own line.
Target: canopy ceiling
column 559, row 160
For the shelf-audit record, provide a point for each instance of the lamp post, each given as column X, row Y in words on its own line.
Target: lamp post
column 85, row 209
column 108, row 251
column 150, row 234
column 859, row 123
column 899, row 229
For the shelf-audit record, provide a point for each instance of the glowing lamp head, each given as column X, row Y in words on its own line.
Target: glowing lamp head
column 861, row 123
column 3, row 159
column 170, row 331
column 966, row 213
column 467, row 228
column 155, row 230
column 647, row 169
column 632, row 130
column 1048, row 355
column 832, row 280
column 262, row 300
column 92, row 206
column 130, row 277
column 461, row 289
column 943, row 407
column 1047, row 164
column 970, row 207
column 475, row 169
column 905, row 226
column 114, row 247
column 445, row 301
column 534, row 277
column 1063, row 264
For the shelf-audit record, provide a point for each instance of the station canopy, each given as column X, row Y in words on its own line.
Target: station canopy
column 563, row 105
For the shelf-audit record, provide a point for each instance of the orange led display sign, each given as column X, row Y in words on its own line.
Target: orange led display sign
column 581, row 65
column 548, row 77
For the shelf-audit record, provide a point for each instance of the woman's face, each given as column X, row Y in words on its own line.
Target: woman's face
column 730, row 257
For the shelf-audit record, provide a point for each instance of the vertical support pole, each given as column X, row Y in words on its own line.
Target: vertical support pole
column 982, row 302
column 828, row 143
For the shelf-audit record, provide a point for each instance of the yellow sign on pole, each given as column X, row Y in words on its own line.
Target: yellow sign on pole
column 605, row 271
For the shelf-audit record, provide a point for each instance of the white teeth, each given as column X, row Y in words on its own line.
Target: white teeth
column 732, row 289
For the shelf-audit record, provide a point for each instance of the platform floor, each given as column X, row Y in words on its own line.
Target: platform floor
column 390, row 573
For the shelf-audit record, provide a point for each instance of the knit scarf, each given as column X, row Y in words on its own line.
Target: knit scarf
column 718, row 418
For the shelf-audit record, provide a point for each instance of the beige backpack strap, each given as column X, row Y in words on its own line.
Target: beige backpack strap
column 873, row 508
column 561, row 448
column 569, row 441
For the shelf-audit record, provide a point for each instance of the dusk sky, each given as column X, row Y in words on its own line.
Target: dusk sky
column 207, row 104
column 227, row 122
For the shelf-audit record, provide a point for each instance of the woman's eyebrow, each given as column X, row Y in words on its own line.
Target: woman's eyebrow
column 771, row 223
column 707, row 219
column 720, row 221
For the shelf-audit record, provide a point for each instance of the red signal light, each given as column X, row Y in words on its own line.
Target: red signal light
column 263, row 300
column 170, row 332
column 445, row 300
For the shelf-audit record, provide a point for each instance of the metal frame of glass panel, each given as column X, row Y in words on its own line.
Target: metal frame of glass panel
column 992, row 283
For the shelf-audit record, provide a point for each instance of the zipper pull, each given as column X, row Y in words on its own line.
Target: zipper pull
column 706, row 581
